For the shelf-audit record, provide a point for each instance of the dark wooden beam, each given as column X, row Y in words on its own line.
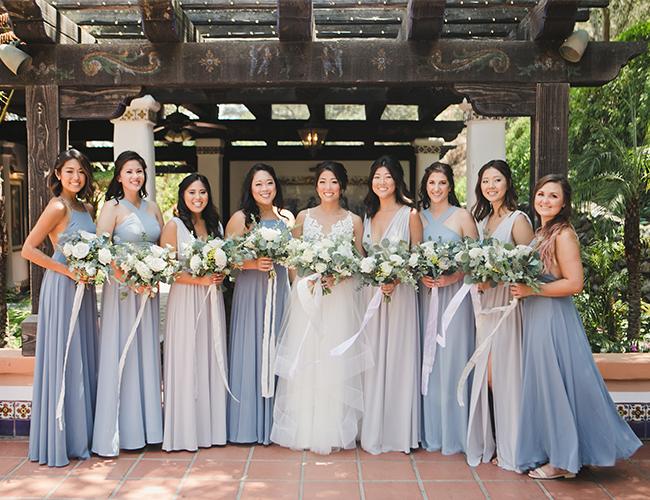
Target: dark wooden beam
column 548, row 20
column 374, row 111
column 36, row 21
column 163, row 21
column 261, row 111
column 429, row 112
column 316, row 113
column 295, row 20
column 501, row 100
column 43, row 142
column 96, row 103
column 423, row 21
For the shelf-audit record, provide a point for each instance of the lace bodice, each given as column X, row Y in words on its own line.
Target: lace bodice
column 314, row 231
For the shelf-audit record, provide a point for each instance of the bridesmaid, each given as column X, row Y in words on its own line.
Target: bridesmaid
column 195, row 395
column 444, row 421
column 496, row 386
column 71, row 182
column 250, row 418
column 319, row 408
column 568, row 418
column 392, row 387
column 127, row 217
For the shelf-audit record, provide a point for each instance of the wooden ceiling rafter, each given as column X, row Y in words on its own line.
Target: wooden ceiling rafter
column 423, row 21
column 164, row 21
column 548, row 20
column 295, row 21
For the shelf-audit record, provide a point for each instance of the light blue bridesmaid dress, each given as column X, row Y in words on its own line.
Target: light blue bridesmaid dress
column 567, row 418
column 444, row 421
column 140, row 409
column 250, row 419
column 48, row 444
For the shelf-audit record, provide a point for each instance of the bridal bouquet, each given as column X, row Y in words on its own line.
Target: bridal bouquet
column 205, row 258
column 435, row 258
column 90, row 255
column 493, row 261
column 386, row 264
column 264, row 241
column 147, row 266
column 324, row 257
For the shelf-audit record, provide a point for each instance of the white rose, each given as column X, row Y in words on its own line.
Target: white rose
column 269, row 234
column 294, row 244
column 474, row 253
column 195, row 263
column 386, row 268
column 220, row 259
column 143, row 270
column 304, row 245
column 321, row 267
column 91, row 270
column 80, row 250
column 105, row 256
column 157, row 251
column 413, row 260
column 396, row 259
column 327, row 243
column 345, row 251
column 324, row 255
column 308, row 255
column 367, row 265
column 67, row 249
column 86, row 235
column 157, row 264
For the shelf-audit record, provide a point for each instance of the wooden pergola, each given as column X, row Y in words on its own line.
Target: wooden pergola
column 92, row 57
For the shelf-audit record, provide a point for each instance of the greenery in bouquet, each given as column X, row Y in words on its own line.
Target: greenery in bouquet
column 491, row 261
column 386, row 264
column 89, row 256
column 326, row 257
column 214, row 256
column 264, row 241
column 147, row 266
column 435, row 258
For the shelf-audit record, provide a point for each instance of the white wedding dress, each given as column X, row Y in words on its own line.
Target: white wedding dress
column 320, row 407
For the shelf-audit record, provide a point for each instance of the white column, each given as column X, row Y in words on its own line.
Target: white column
column 427, row 151
column 209, row 159
column 134, row 132
column 486, row 141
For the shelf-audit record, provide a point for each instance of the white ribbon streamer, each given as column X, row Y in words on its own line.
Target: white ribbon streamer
column 76, row 307
column 431, row 340
column 311, row 305
column 268, row 341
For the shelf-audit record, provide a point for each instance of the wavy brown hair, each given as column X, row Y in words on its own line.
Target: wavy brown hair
column 482, row 208
column 88, row 190
column 424, row 202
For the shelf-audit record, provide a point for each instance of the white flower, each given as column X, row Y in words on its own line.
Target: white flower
column 91, row 269
column 324, row 255
column 195, row 263
column 308, row 255
column 157, row 264
column 86, row 235
column 143, row 270
column 386, row 268
column 367, row 265
column 220, row 258
column 413, row 260
column 475, row 252
column 269, row 234
column 80, row 250
column 303, row 245
column 67, row 249
column 105, row 256
column 321, row 267
column 157, row 251
column 345, row 251
column 327, row 243
column 396, row 259
column 459, row 256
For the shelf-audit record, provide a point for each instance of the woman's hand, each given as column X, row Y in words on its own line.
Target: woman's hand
column 519, row 290
column 388, row 289
column 327, row 281
column 217, row 278
column 428, row 281
column 264, row 264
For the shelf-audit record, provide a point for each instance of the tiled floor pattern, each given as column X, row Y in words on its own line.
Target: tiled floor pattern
column 257, row 472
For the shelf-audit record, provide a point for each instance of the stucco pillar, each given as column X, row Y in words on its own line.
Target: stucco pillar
column 427, row 151
column 133, row 131
column 486, row 140
column 209, row 159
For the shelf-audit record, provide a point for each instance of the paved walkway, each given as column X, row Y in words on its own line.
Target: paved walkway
column 259, row 472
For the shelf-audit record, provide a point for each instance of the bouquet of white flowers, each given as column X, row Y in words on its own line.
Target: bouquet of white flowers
column 90, row 256
column 435, row 258
column 205, row 258
column 386, row 264
column 264, row 241
column 147, row 266
column 324, row 257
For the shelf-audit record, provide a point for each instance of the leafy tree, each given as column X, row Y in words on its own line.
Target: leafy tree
column 518, row 154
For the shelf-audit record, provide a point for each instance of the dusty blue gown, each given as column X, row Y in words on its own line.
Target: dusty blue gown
column 567, row 418
column 140, row 414
column 444, row 421
column 48, row 444
column 250, row 419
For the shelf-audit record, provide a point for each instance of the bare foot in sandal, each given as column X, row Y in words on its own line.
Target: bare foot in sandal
column 548, row 472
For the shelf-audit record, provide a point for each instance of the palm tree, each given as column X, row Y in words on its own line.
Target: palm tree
column 616, row 174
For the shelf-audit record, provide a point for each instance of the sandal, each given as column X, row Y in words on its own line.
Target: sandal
column 540, row 474
column 495, row 461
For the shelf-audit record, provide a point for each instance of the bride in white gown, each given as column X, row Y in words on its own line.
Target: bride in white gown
column 319, row 409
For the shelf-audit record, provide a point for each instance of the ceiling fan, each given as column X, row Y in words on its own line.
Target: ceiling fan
column 178, row 127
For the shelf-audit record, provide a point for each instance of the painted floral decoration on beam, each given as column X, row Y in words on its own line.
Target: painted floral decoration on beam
column 209, row 62
column 381, row 61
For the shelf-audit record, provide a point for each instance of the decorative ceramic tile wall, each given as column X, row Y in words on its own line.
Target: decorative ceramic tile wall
column 15, row 417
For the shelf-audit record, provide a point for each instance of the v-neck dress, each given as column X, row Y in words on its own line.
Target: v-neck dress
column 444, row 421
column 140, row 411
column 391, row 392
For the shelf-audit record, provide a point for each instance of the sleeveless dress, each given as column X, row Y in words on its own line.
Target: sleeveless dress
column 47, row 443
column 195, row 408
column 444, row 421
column 392, row 387
column 250, row 419
column 567, row 415
column 506, row 374
column 320, row 408
column 140, row 418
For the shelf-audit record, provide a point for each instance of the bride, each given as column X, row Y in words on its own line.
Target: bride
column 319, row 409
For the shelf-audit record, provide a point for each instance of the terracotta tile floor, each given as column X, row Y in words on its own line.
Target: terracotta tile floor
column 256, row 472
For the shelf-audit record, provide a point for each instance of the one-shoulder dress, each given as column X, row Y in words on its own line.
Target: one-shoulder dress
column 506, row 374
column 444, row 421
column 250, row 419
column 140, row 409
column 195, row 395
column 48, row 444
column 320, row 407
column 391, row 392
column 568, row 418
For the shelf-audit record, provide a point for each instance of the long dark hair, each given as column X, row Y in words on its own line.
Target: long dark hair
column 482, row 208
column 115, row 189
column 248, row 205
column 337, row 169
column 210, row 214
column 402, row 195
column 88, row 190
column 424, row 202
column 546, row 235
